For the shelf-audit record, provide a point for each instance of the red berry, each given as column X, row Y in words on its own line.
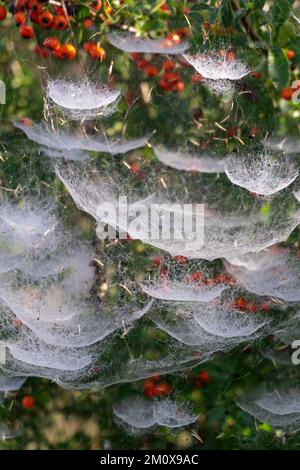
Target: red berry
column 162, row 389
column 171, row 77
column 26, row 31
column 3, row 13
column 46, row 20
column 60, row 22
column 96, row 5
column 195, row 277
column 151, row 71
column 28, row 402
column 180, row 259
column 135, row 168
column 254, row 131
column 240, row 304
column 174, row 38
column 179, row 87
column 168, row 65
column 204, row 376
column 290, row 54
column 34, row 17
column 52, row 43
column 37, row 7
column 164, row 84
column 66, row 51
column 255, row 74
column 95, row 51
column 287, row 93
column 19, row 18
column 142, row 63
column 88, row 23
column 197, row 78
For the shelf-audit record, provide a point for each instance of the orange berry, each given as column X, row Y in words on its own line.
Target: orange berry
column 174, row 38
column 151, row 71
column 28, row 402
column 135, row 168
column 287, row 93
column 251, row 307
column 136, row 55
column 30, row 4
column 37, row 7
column 240, row 304
column 19, row 18
column 197, row 78
column 290, row 54
column 171, row 77
column 95, row 51
column 101, row 53
column 255, row 74
column 46, row 20
column 162, row 389
column 68, row 51
column 254, row 131
column 165, row 8
column 52, row 43
column 183, row 32
column 21, row 4
column 108, row 9
column 96, row 5
column 180, row 259
column 142, row 63
column 88, row 23
column 26, row 31
column 168, row 65
column 195, row 277
column 179, row 87
column 34, row 17
column 164, row 84
column 60, row 22
column 204, row 377
column 230, row 55
column 3, row 13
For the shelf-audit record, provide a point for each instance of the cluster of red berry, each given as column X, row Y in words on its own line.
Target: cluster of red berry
column 202, row 379
column 155, row 388
column 31, row 14
column 250, row 307
column 169, row 77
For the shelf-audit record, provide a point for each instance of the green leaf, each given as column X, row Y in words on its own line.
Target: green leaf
column 279, row 68
column 280, row 12
column 227, row 15
column 258, row 3
column 84, row 12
